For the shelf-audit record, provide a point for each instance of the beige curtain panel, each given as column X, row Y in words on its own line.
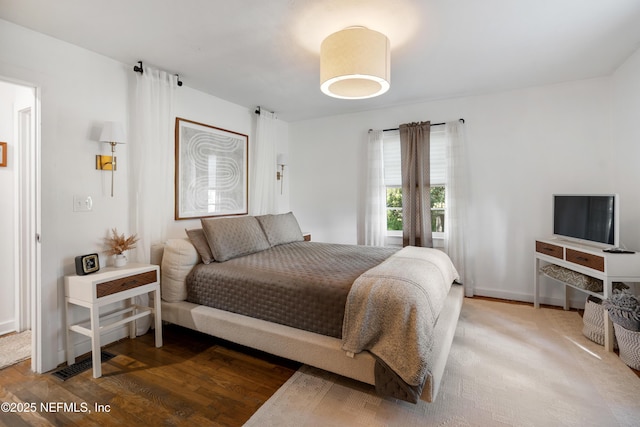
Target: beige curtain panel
column 416, row 197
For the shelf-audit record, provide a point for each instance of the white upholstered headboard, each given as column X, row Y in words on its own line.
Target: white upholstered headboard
column 157, row 250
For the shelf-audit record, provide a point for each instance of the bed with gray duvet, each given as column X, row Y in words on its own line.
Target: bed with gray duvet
column 384, row 316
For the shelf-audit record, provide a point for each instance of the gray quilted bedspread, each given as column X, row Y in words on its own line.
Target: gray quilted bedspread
column 302, row 284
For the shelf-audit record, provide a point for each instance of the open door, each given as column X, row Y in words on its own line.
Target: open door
column 24, row 202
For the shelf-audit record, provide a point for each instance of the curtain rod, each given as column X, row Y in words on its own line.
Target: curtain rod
column 139, row 69
column 433, row 124
column 259, row 108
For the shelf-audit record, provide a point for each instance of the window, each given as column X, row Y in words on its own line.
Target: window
column 393, row 181
column 394, row 208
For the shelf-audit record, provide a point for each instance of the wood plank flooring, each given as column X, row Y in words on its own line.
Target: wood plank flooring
column 194, row 379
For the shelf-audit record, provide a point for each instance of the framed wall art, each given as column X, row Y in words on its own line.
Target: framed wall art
column 3, row 154
column 211, row 171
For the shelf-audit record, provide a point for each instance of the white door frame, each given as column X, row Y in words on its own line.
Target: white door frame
column 28, row 222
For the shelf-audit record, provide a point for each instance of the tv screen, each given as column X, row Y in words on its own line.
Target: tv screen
column 586, row 217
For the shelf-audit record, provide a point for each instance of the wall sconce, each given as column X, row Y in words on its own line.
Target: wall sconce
column 112, row 133
column 282, row 162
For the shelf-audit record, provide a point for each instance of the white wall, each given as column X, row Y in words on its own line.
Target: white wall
column 626, row 146
column 79, row 90
column 523, row 146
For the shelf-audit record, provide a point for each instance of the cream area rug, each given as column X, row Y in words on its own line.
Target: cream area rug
column 510, row 365
column 15, row 348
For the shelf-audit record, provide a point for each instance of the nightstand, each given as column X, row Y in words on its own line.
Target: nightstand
column 306, row 236
column 111, row 285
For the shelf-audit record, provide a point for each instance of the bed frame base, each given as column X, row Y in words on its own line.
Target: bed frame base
column 310, row 348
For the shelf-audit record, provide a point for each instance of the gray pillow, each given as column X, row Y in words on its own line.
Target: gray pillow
column 281, row 228
column 199, row 241
column 234, row 237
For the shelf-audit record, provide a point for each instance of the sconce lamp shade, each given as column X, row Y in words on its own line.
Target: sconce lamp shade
column 282, row 159
column 355, row 64
column 113, row 132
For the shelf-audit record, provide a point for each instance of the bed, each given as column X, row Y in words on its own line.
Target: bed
column 361, row 312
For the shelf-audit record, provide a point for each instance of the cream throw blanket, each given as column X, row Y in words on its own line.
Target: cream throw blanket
column 392, row 309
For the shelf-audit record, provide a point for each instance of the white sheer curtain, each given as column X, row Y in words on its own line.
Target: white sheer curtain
column 263, row 158
column 457, row 201
column 375, row 224
column 151, row 158
column 151, row 164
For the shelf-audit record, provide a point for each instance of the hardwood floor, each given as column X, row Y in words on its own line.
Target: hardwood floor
column 194, row 379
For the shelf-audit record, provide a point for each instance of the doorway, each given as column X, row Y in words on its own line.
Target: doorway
column 19, row 128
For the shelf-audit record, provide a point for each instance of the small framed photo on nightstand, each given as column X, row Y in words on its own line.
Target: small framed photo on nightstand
column 87, row 264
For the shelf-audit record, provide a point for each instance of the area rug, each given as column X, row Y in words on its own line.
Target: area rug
column 510, row 365
column 15, row 348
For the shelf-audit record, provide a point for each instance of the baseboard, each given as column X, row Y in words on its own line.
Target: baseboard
column 7, row 327
column 574, row 302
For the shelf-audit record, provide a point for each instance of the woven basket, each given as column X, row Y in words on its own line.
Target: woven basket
column 629, row 342
column 624, row 319
column 593, row 320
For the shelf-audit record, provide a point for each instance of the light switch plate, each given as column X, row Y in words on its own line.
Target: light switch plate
column 82, row 203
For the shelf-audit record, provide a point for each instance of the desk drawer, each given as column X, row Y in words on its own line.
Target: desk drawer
column 125, row 283
column 549, row 249
column 588, row 260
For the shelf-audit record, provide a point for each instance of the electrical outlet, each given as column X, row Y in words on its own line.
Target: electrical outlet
column 82, row 203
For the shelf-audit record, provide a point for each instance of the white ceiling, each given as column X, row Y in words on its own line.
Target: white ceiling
column 258, row 52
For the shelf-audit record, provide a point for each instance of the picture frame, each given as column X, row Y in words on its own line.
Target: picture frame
column 3, row 154
column 211, row 171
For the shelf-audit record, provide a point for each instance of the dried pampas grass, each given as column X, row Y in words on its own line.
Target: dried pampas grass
column 118, row 243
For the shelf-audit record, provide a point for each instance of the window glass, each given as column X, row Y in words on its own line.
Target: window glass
column 393, row 179
column 394, row 208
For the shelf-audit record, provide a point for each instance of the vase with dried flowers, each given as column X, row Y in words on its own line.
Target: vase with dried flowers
column 118, row 244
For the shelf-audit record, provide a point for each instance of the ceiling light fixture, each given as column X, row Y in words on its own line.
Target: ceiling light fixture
column 354, row 64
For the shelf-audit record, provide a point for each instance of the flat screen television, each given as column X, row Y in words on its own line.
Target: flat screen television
column 588, row 218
